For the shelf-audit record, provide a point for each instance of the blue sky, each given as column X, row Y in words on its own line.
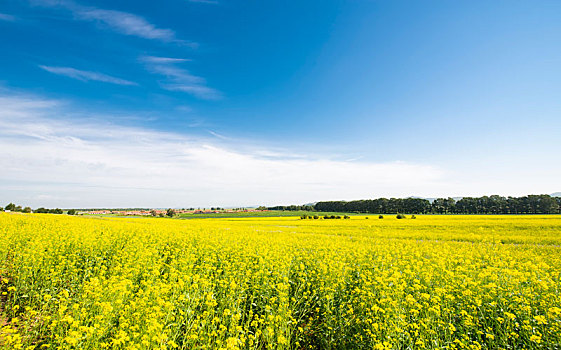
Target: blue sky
column 194, row 103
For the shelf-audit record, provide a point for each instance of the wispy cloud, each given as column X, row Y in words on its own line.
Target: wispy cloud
column 79, row 163
column 121, row 22
column 200, row 91
column 156, row 59
column 126, row 23
column 179, row 79
column 214, row 2
column 6, row 17
column 86, row 75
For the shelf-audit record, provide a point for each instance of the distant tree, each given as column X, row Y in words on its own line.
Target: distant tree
column 162, row 215
column 71, row 212
column 153, row 212
column 10, row 207
column 494, row 204
column 170, row 212
column 27, row 210
column 57, row 211
column 547, row 205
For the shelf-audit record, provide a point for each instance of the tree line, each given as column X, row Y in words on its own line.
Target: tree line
column 290, row 207
column 18, row 208
column 531, row 204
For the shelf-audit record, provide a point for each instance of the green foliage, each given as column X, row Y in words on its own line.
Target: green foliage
column 48, row 211
column 11, row 207
column 531, row 204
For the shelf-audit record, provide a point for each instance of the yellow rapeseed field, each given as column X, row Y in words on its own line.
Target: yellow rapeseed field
column 447, row 282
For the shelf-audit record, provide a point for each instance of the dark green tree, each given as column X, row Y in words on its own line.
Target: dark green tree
column 10, row 207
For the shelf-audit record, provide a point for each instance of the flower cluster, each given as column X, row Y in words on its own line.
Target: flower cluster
column 455, row 282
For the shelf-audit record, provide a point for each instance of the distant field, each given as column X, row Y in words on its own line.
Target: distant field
column 263, row 214
column 454, row 282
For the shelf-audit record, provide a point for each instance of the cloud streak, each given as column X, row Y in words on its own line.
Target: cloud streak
column 85, row 75
column 71, row 163
column 6, row 17
column 179, row 79
column 213, row 2
column 126, row 23
column 121, row 22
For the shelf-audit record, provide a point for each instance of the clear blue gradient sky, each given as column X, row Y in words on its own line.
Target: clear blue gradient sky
column 199, row 103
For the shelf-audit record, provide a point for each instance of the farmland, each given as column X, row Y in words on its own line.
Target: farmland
column 456, row 282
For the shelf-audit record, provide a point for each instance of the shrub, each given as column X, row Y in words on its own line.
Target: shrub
column 413, row 217
column 400, row 216
column 381, row 217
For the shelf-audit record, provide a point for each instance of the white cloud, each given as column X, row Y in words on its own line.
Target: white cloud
column 214, row 2
column 119, row 21
column 179, row 79
column 86, row 75
column 6, row 17
column 126, row 23
column 200, row 91
column 155, row 59
column 71, row 163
